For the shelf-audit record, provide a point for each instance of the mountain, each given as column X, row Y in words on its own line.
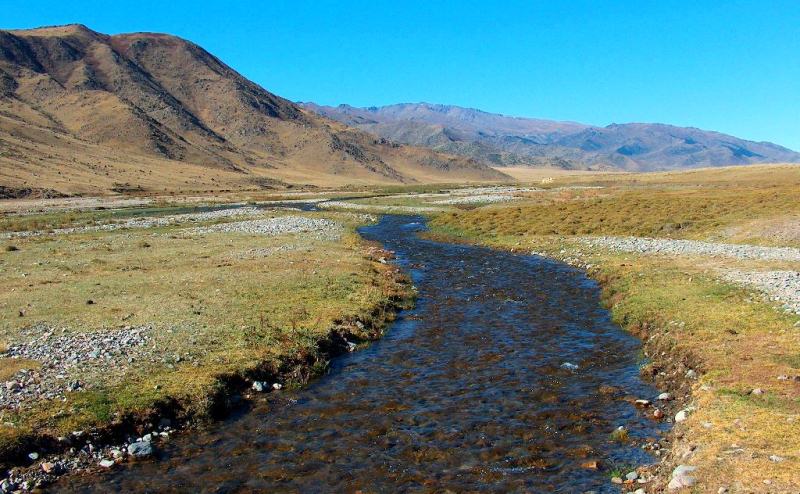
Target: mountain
column 513, row 141
column 85, row 112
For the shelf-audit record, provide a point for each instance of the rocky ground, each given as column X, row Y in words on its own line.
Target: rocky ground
column 149, row 222
column 478, row 199
column 694, row 247
column 379, row 207
column 780, row 286
column 65, row 362
column 320, row 227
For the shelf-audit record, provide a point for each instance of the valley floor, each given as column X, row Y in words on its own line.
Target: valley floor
column 116, row 316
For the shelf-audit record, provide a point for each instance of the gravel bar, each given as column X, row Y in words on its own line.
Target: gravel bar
column 780, row 286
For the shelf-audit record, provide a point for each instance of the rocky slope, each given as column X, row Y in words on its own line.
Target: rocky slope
column 82, row 111
column 511, row 141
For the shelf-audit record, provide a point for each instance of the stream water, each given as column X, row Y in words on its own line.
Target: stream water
column 466, row 392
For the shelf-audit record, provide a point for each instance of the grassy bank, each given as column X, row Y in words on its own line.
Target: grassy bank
column 214, row 307
column 743, row 424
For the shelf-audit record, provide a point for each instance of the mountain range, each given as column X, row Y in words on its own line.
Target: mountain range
column 501, row 140
column 85, row 112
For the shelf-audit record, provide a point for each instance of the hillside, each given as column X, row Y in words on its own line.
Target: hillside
column 84, row 112
column 513, row 141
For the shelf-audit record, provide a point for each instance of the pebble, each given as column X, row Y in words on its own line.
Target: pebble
column 691, row 374
column 33, row 456
column 757, row 392
column 776, row 458
column 277, row 386
column 259, row 386
column 642, row 403
column 681, row 416
column 658, row 414
column 631, row 476
column 664, row 397
column 107, row 463
column 569, row 366
column 616, row 480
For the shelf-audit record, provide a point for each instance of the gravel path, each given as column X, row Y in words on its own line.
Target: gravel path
column 694, row 247
column 780, row 286
column 148, row 222
column 323, row 228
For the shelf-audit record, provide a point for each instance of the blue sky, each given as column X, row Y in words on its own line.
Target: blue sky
column 731, row 66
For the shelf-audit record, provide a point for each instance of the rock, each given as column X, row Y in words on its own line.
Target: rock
column 642, row 403
column 107, row 463
column 12, row 385
column 569, row 366
column 277, row 386
column 616, row 480
column 776, row 458
column 140, row 449
column 757, row 392
column 658, row 414
column 631, row 476
column 722, row 490
column 681, row 478
column 591, row 465
column 147, row 438
column 33, row 456
column 639, row 491
column 681, row 416
column 691, row 374
column 50, row 468
column 664, row 397
column 90, row 302
column 117, row 453
column 259, row 386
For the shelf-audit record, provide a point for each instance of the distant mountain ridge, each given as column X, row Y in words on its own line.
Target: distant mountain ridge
column 516, row 141
column 82, row 111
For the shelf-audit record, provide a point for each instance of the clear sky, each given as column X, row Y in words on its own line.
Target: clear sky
column 731, row 66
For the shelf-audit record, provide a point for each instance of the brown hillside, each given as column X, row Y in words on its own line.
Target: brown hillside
column 86, row 112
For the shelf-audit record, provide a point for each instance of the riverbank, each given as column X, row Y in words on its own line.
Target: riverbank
column 724, row 346
column 117, row 336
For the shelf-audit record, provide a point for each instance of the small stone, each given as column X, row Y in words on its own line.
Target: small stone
column 147, row 438
column 639, row 491
column 722, row 490
column 277, row 386
column 591, row 465
column 48, row 467
column 90, row 302
column 33, row 456
column 776, row 458
column 681, row 416
column 631, row 476
column 664, row 397
column 783, row 377
column 140, row 449
column 642, row 403
column 12, row 385
column 658, row 414
column 681, row 477
column 569, row 366
column 691, row 374
column 117, row 453
column 105, row 463
column 616, row 480
column 259, row 386
column 757, row 392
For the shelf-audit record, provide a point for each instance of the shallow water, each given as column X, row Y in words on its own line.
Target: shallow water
column 465, row 392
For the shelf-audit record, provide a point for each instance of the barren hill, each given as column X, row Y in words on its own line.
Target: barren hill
column 513, row 141
column 82, row 111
